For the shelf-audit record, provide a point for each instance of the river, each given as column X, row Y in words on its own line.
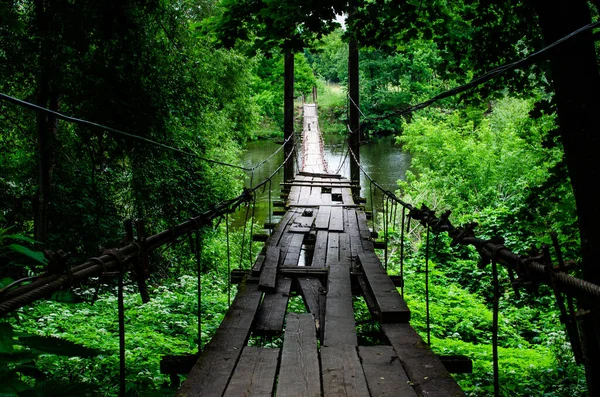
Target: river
column 380, row 157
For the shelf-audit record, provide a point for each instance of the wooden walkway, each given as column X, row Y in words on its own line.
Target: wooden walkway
column 322, row 250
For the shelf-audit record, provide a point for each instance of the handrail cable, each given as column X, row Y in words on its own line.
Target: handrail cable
column 496, row 71
column 64, row 117
column 532, row 268
column 46, row 285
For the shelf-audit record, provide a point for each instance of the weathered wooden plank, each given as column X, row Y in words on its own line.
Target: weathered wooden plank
column 319, row 175
column 390, row 305
column 293, row 251
column 312, row 292
column 345, row 249
column 270, row 316
column 302, row 224
column 339, row 317
column 320, row 251
column 353, row 231
column 342, row 373
column 255, row 373
column 294, row 196
column 423, row 367
column 336, row 221
column 347, row 195
column 211, row 373
column 260, row 260
column 365, row 233
column 322, row 221
column 268, row 274
column 304, row 194
column 384, row 372
column 333, row 248
column 313, row 184
column 299, row 369
column 315, row 195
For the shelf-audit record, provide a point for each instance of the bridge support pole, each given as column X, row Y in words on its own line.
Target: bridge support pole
column 288, row 114
column 354, row 133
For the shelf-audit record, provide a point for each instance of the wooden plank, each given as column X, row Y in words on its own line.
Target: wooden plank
column 342, row 373
column 390, row 305
column 365, row 233
column 304, row 184
column 260, row 260
column 345, row 249
column 294, row 248
column 211, row 373
column 270, row 316
column 336, row 220
column 268, row 274
column 384, row 372
column 353, row 231
column 304, row 194
column 302, row 224
column 322, row 221
column 315, row 195
column 255, row 373
column 339, row 317
column 423, row 367
column 347, row 195
column 333, row 248
column 294, row 196
column 312, row 292
column 320, row 251
column 320, row 175
column 299, row 369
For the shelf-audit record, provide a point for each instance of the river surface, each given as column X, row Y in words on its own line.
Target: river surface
column 381, row 158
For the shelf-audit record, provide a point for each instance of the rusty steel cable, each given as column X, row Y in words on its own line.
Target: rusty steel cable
column 526, row 267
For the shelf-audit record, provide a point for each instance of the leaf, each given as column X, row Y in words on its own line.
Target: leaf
column 35, row 255
column 6, row 338
column 20, row 238
column 61, row 347
column 66, row 297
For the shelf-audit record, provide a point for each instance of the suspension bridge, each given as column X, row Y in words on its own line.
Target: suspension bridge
column 323, row 250
column 320, row 354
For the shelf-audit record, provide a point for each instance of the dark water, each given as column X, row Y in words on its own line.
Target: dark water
column 381, row 158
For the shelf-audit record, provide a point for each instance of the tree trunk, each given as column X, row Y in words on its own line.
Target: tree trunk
column 46, row 124
column 288, row 114
column 577, row 84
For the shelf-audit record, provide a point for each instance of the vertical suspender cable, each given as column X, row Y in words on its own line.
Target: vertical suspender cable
column 228, row 260
column 121, row 308
column 250, row 259
column 495, row 326
column 199, row 268
column 427, row 287
column 402, row 250
column 386, row 205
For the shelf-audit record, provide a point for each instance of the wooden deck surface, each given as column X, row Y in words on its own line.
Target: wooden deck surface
column 323, row 233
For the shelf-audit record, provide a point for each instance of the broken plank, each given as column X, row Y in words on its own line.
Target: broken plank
column 365, row 233
column 270, row 316
column 293, row 250
column 322, row 221
column 312, row 291
column 213, row 369
column 320, row 250
column 353, row 232
column 342, row 373
column 255, row 373
column 320, row 175
column 390, row 305
column 423, row 367
column 299, row 369
column 336, row 220
column 384, row 372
